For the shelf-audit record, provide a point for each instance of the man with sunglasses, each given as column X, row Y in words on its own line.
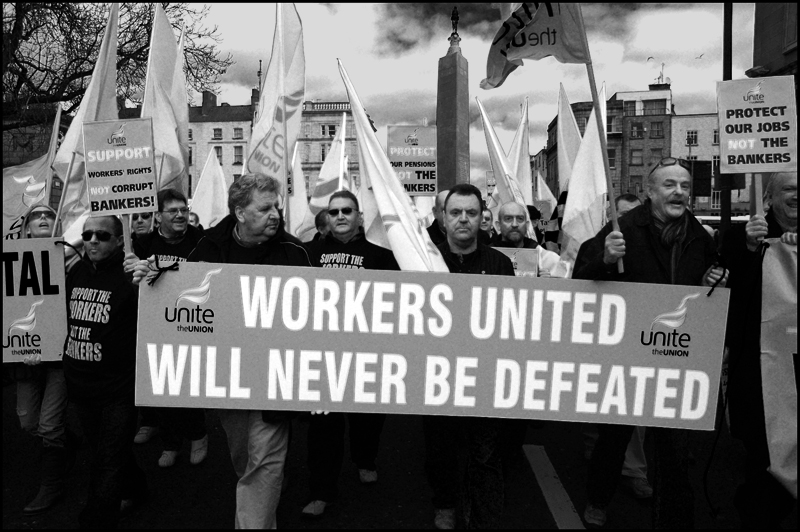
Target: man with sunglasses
column 172, row 242
column 253, row 233
column 100, row 370
column 662, row 243
column 345, row 246
column 141, row 224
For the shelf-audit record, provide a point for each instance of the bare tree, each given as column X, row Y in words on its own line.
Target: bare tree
column 50, row 49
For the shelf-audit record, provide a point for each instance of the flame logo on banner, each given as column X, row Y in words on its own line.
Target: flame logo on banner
column 198, row 295
column 675, row 318
column 28, row 322
column 118, row 133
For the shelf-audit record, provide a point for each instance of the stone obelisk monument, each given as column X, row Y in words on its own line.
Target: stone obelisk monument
column 452, row 115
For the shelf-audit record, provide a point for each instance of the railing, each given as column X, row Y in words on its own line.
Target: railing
column 326, row 106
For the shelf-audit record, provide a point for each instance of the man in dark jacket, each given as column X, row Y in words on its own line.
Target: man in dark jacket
column 482, row 488
column 664, row 244
column 762, row 501
column 436, row 229
column 100, row 369
column 345, row 246
column 172, row 242
column 258, row 441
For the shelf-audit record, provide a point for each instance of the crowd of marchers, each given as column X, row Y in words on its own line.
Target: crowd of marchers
column 659, row 240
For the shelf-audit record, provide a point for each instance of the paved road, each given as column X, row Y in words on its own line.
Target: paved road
column 202, row 496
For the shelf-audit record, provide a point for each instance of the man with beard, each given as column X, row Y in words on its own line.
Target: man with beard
column 513, row 228
column 666, row 245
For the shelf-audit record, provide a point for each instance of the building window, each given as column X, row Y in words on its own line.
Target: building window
column 716, row 137
column 655, row 155
column 655, row 107
column 636, row 158
column 636, row 185
column 217, row 133
column 306, row 130
column 629, row 108
column 238, row 155
column 190, row 155
column 582, row 124
column 691, row 137
column 328, row 130
column 715, row 165
column 656, row 130
column 218, row 150
column 716, row 202
column 790, row 34
column 637, row 130
column 325, row 148
column 238, row 133
column 612, row 158
column 691, row 158
column 610, row 124
column 190, row 134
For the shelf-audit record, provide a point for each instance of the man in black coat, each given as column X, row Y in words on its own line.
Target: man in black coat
column 664, row 244
column 762, row 502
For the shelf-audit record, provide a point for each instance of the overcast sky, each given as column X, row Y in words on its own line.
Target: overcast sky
column 391, row 53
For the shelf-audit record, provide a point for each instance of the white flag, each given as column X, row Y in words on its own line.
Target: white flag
column 297, row 201
column 26, row 185
column 530, row 33
column 210, row 200
column 99, row 103
column 166, row 103
column 568, row 140
column 507, row 187
column 408, row 238
column 586, row 202
column 544, row 197
column 327, row 183
column 283, row 88
column 520, row 158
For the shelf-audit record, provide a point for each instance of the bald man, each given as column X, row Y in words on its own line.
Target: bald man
column 513, row 224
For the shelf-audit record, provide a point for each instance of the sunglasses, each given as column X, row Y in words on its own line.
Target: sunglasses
column 42, row 214
column 672, row 161
column 102, row 236
column 145, row 216
column 347, row 211
column 173, row 212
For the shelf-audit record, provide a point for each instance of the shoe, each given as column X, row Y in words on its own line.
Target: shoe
column 314, row 509
column 594, row 515
column 199, row 450
column 639, row 486
column 167, row 458
column 445, row 519
column 44, row 500
column 144, row 434
column 367, row 476
column 52, row 487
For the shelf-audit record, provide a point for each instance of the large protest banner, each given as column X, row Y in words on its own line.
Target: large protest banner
column 757, row 125
column 120, row 166
column 256, row 337
column 34, row 300
column 412, row 152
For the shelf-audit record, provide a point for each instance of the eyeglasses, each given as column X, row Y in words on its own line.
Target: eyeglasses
column 143, row 216
column 42, row 214
column 671, row 161
column 173, row 212
column 347, row 211
column 102, row 236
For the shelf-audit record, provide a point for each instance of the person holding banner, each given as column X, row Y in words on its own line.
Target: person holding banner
column 762, row 501
column 513, row 228
column 172, row 242
column 253, row 234
column 345, row 246
column 42, row 395
column 662, row 243
column 100, row 370
column 482, row 488
column 321, row 223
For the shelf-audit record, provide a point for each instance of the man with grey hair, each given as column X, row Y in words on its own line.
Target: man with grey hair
column 663, row 244
column 762, row 502
column 253, row 234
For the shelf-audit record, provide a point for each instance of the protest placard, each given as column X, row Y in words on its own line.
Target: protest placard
column 412, row 152
column 34, row 299
column 757, row 125
column 525, row 260
column 280, row 338
column 120, row 166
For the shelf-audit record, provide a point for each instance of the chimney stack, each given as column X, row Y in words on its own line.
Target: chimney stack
column 209, row 102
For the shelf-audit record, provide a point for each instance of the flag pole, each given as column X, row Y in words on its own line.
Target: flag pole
column 341, row 155
column 602, row 135
column 282, row 92
column 63, row 194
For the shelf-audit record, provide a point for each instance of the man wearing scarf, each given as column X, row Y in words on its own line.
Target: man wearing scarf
column 663, row 244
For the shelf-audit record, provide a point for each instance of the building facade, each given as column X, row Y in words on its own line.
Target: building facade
column 319, row 124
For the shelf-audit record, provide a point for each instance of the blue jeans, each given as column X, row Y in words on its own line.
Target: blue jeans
column 42, row 405
column 114, row 474
column 258, row 452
